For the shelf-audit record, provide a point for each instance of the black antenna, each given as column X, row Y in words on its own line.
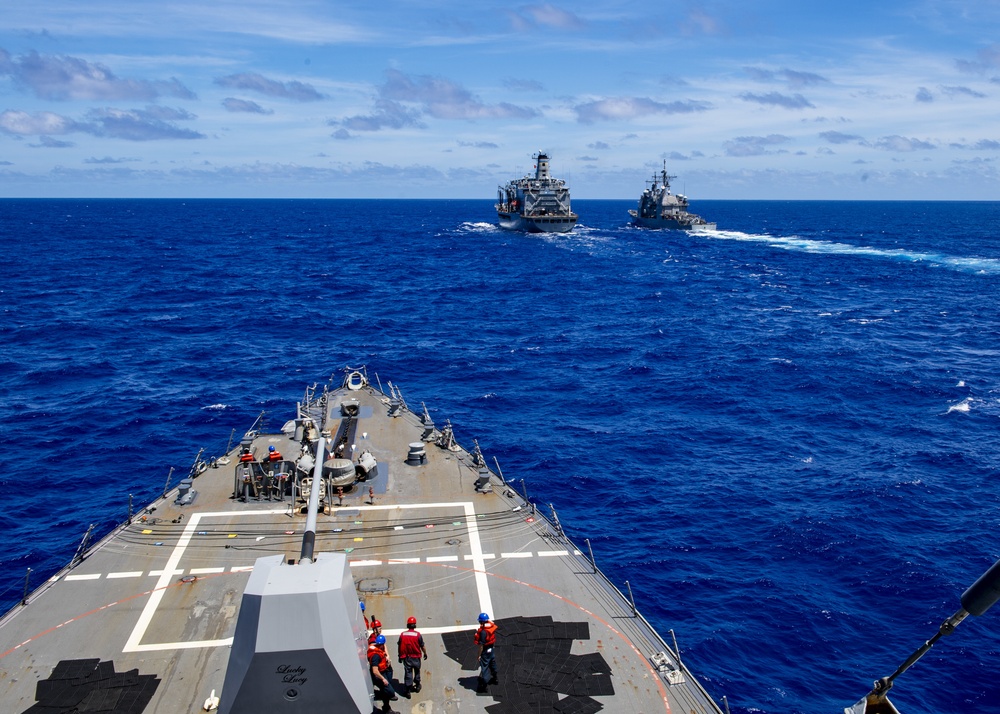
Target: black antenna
column 979, row 598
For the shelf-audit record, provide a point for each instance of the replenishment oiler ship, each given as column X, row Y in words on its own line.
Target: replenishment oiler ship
column 659, row 207
column 253, row 587
column 536, row 204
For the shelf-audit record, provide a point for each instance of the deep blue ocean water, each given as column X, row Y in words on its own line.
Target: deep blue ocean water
column 783, row 434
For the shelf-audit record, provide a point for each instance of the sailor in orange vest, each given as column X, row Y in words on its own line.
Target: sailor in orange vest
column 411, row 645
column 273, row 454
column 486, row 638
column 376, row 630
column 378, row 662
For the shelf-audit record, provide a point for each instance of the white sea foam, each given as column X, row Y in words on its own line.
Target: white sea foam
column 962, row 406
column 477, row 227
column 216, row 407
column 985, row 266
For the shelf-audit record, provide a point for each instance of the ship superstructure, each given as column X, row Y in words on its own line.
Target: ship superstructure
column 536, row 204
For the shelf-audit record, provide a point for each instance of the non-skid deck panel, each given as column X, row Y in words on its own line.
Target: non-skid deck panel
column 537, row 671
column 79, row 686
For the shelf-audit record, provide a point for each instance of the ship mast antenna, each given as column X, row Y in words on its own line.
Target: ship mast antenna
column 979, row 598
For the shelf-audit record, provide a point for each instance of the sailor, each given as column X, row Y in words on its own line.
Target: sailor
column 273, row 454
column 411, row 645
column 367, row 625
column 376, row 630
column 381, row 670
column 486, row 638
column 245, row 473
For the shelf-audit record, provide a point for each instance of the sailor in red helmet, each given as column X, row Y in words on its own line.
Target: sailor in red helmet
column 411, row 645
column 381, row 671
column 486, row 638
column 376, row 630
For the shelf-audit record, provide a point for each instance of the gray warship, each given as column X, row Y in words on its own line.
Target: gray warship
column 536, row 204
column 661, row 208
column 251, row 587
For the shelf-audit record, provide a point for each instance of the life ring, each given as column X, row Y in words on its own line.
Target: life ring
column 355, row 381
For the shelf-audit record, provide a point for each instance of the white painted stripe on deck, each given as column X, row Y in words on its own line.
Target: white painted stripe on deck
column 207, row 571
column 241, row 569
column 362, row 563
column 552, row 553
column 89, row 576
column 518, row 554
column 478, row 562
column 442, row 558
column 130, row 574
column 134, row 643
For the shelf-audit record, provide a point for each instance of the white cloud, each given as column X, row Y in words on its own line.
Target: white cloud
column 68, row 78
column 627, row 108
column 251, row 81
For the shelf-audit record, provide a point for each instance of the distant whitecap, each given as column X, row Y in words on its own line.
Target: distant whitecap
column 962, row 406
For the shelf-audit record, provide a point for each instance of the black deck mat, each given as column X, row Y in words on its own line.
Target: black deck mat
column 84, row 686
column 535, row 667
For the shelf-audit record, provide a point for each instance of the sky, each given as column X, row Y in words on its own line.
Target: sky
column 748, row 99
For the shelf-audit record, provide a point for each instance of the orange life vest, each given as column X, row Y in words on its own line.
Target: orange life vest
column 275, row 456
column 486, row 635
column 383, row 663
column 245, row 458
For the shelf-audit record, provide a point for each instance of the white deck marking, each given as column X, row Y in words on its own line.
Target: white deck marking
column 442, row 559
column 134, row 643
column 484, row 556
column 552, row 553
column 518, row 554
column 89, row 576
column 241, row 569
column 362, row 563
column 206, row 571
column 130, row 574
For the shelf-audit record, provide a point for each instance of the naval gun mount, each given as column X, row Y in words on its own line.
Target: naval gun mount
column 290, row 649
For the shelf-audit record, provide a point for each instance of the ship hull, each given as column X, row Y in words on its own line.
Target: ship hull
column 536, row 224
column 671, row 223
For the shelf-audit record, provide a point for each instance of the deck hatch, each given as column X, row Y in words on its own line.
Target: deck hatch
column 374, row 585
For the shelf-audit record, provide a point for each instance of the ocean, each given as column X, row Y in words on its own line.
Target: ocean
column 783, row 435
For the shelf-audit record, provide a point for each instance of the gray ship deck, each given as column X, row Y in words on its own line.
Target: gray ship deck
column 152, row 609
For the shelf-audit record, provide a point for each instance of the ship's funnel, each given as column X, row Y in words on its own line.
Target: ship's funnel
column 300, row 644
column 541, row 166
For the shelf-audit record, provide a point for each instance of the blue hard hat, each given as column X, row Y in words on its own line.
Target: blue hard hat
column 483, row 617
column 380, row 640
column 362, row 606
column 270, row 448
